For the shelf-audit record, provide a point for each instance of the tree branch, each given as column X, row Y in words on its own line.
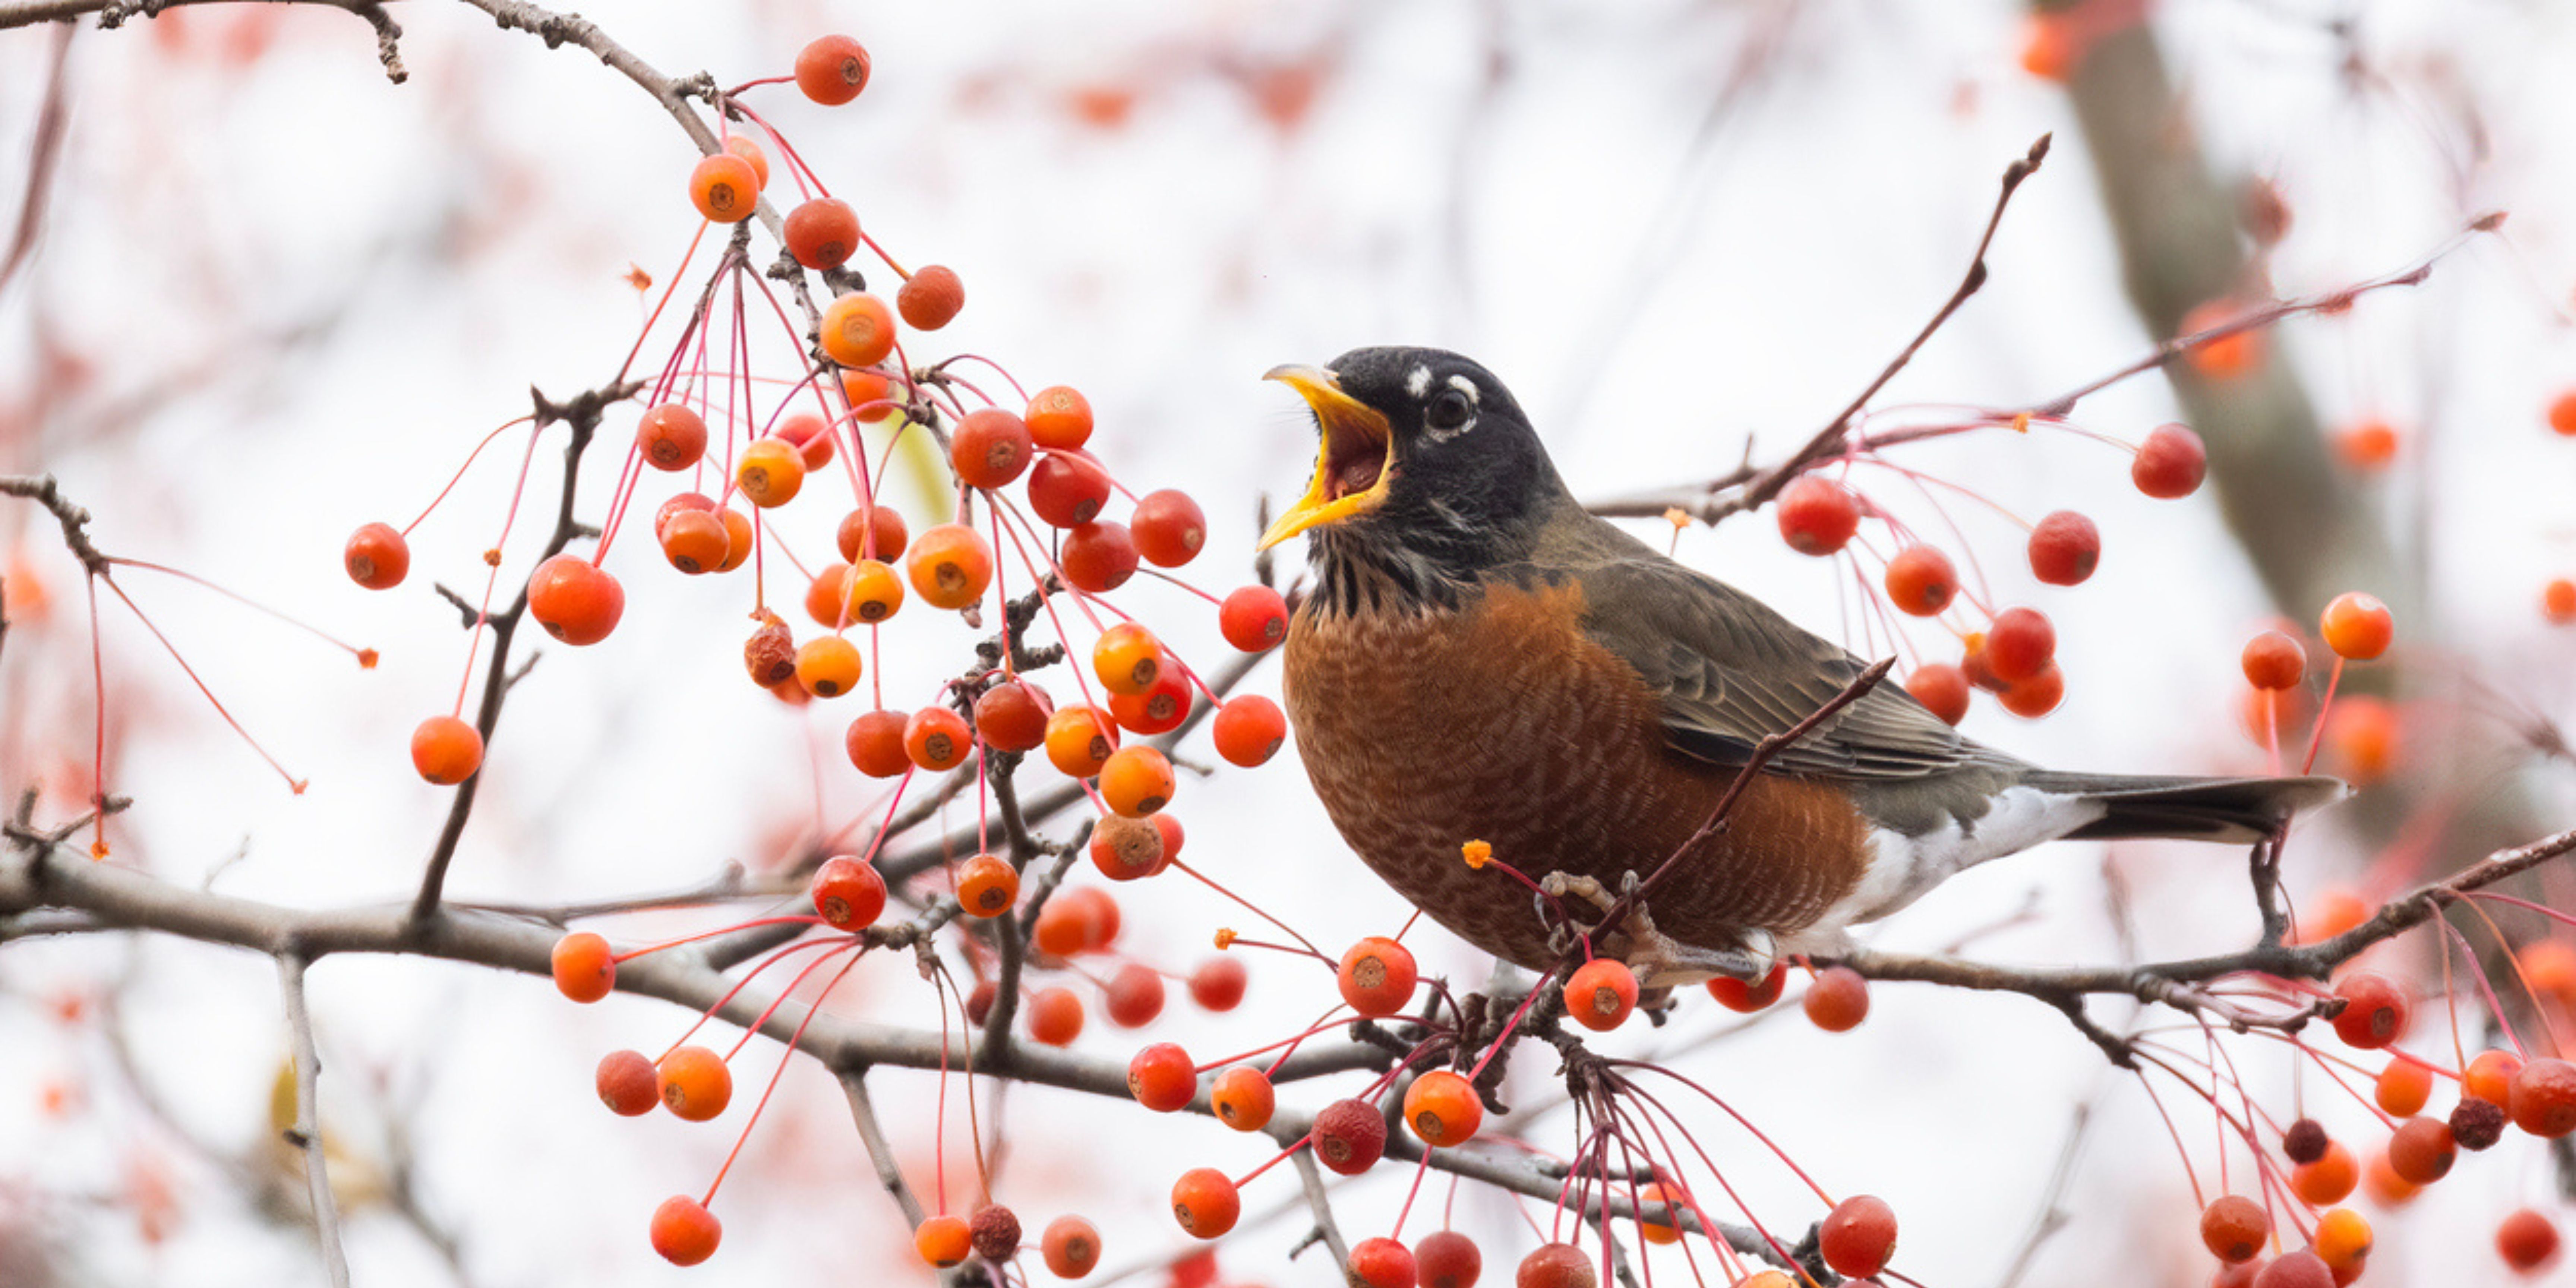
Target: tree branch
column 307, row 1133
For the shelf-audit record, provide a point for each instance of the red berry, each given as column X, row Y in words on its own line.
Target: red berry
column 1381, row 1262
column 1133, row 997
column 1071, row 1247
column 2020, row 644
column 2527, row 1241
column 936, row 739
column 1448, row 1259
column 2374, row 1013
column 857, row 330
column 1067, row 489
column 2357, row 626
column 2234, row 1227
column 2558, row 601
column 1942, row 689
column 575, row 601
column 1377, row 976
column 1556, row 1265
column 944, row 1240
column 671, row 436
column 875, row 744
column 1055, row 1016
column 724, row 188
column 684, row 1232
column 2170, row 463
column 2543, row 1098
column 822, row 233
column 695, row 1083
column 1858, row 1237
column 832, row 70
column 1205, row 1202
column 1136, row 781
column 1218, row 984
column 987, row 886
column 2368, row 446
column 2275, row 661
column 950, row 565
column 2225, row 357
column 1837, row 1002
column 2037, row 696
column 1249, row 729
column 1012, row 716
column 990, row 449
column 931, row 297
column 770, row 472
column 812, row 439
column 1254, row 619
column 377, row 557
column 1736, row 995
column 1921, row 581
column 2422, row 1150
column 1349, row 1136
column 872, row 532
column 848, row 893
column 2403, row 1088
column 1817, row 515
column 2301, row 1269
column 1098, row 557
column 628, row 1084
column 1161, row 1078
column 2064, row 549
column 1169, row 528
column 994, row 1231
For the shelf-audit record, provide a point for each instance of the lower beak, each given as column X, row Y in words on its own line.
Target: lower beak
column 1354, row 458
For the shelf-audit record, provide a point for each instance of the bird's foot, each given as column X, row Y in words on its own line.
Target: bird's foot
column 1659, row 960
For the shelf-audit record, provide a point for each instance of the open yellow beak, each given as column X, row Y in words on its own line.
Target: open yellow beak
column 1353, row 461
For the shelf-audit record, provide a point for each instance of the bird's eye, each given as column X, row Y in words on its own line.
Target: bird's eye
column 1448, row 411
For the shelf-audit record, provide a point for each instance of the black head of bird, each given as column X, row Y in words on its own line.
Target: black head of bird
column 1426, row 467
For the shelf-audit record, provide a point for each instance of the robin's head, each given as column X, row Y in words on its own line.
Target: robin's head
column 1424, row 453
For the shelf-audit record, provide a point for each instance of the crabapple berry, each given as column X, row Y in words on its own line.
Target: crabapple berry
column 2020, row 644
column 1218, row 984
column 770, row 472
column 1254, row 619
column 584, row 968
column 1601, row 994
column 2274, row 661
column 1920, row 581
column 2234, row 1228
column 1448, row 1259
column 1349, row 1136
column 1556, row 1265
column 1136, row 781
column 1442, row 1108
column 1099, row 556
column 445, row 750
column 2527, row 1241
column 1249, row 729
column 2170, row 464
column 1067, row 489
column 990, row 449
column 857, row 330
column 1160, row 1077
column 1817, row 515
column 1060, row 418
column 2065, row 548
column 1837, row 1002
column 831, row 70
column 943, row 1241
column 1858, row 1237
column 1012, row 716
column 1381, row 1262
column 878, row 524
column 848, row 893
column 574, row 600
column 875, row 744
column 2357, row 626
column 950, row 565
column 1942, row 689
column 684, row 1232
column 1205, row 1202
column 1377, row 977
column 931, row 297
column 1244, row 1098
column 377, row 557
column 2542, row 1098
column 627, row 1083
column 1071, row 1247
column 822, row 233
column 1055, row 1016
column 1736, row 995
column 724, row 188
column 671, row 436
column 2374, row 1012
column 696, row 1085
column 1168, row 527
column 1079, row 740
column 1133, row 997
column 987, row 886
column 2422, row 1150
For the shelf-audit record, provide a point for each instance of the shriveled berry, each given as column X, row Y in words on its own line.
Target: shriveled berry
column 931, row 297
column 1349, row 1136
column 994, row 1231
column 769, row 656
column 2234, row 1227
column 2305, row 1141
column 2476, row 1125
column 376, row 557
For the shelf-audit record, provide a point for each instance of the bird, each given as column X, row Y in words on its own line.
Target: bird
column 1478, row 658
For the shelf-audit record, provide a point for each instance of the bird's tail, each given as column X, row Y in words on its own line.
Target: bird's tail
column 2241, row 810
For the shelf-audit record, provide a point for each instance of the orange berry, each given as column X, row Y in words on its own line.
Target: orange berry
column 2374, row 1013
column 1442, row 1108
column 1161, row 1078
column 1099, row 556
column 1736, row 995
column 2562, row 414
column 627, row 1083
column 828, row 666
column 2357, row 626
column 1205, row 1202
column 2226, row 357
column 1858, row 1237
column 696, row 1085
column 684, row 1232
column 831, row 70
column 2489, row 1077
column 1012, row 716
column 743, row 146
column 857, row 330
column 1079, row 739
column 1168, row 528
column 2387, row 1188
column 1254, row 619
column 1817, row 515
column 950, row 565
column 936, row 739
column 1249, row 729
column 2037, row 696
column 931, row 297
column 2403, row 1088
column 2363, row 733
column 2527, row 1240
column 1659, row 1208
column 943, row 1241
column 1067, row 489
column 2234, row 1227
column 695, row 542
column 1921, row 581
column 2542, row 1098
column 1133, row 997
column 574, row 600
column 2049, row 46
column 2273, row 660
column 1349, row 1136
column 1055, row 1016
column 2330, row 1179
column 2170, row 464
column 2336, row 910
column 822, row 233
column 990, row 449
column 1128, row 659
column 1377, row 977
column 876, row 746
column 2422, row 1151
column 2065, row 549
column 824, row 596
column 1244, row 1098
column 1447, row 1259
column 376, row 557
column 738, row 539
column 870, row 593
column 770, row 472
column 2342, row 1240
column 446, row 750
column 1601, row 994
column 987, row 886
column 1060, row 418
column 1136, row 781
column 1381, row 1262
column 2557, row 601
column 584, row 969
column 873, row 534
column 1942, row 689
column 2367, row 446
column 1838, row 1001
column 871, row 395
column 1078, row 919
column 848, row 893
column 1070, row 1246
column 724, row 188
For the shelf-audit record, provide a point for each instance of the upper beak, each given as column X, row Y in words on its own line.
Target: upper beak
column 1353, row 461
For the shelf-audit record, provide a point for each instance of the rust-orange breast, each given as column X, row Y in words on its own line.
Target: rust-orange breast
column 1504, row 722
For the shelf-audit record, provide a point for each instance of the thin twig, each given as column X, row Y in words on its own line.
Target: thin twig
column 863, row 1111
column 306, row 1135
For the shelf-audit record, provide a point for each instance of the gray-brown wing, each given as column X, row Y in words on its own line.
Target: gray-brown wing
column 1732, row 672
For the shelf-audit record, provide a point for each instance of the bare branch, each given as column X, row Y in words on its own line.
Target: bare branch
column 307, row 1132
column 863, row 1111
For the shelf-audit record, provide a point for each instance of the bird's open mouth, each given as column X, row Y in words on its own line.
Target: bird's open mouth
column 1352, row 462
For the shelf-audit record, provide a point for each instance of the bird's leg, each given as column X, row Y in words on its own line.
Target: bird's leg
column 1659, row 960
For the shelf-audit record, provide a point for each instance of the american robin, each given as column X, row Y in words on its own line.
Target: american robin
column 1480, row 658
